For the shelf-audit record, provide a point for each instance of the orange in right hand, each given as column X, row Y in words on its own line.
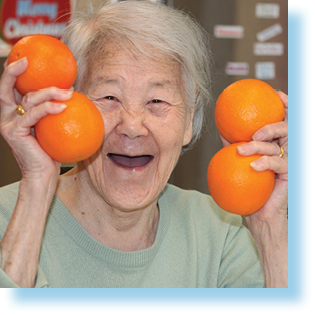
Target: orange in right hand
column 234, row 185
column 246, row 106
column 50, row 63
column 74, row 134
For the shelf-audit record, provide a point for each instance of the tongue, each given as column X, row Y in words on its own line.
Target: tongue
column 128, row 161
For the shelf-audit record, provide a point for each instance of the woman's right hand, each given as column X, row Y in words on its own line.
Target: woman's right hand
column 21, row 242
column 17, row 130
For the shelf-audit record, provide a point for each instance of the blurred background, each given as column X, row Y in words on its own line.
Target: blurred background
column 249, row 40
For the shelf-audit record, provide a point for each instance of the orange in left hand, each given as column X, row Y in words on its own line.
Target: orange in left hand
column 246, row 106
column 234, row 185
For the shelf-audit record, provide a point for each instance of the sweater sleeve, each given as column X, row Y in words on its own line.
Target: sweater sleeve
column 241, row 266
column 6, row 281
column 8, row 196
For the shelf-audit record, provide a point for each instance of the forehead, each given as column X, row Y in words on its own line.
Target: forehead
column 113, row 59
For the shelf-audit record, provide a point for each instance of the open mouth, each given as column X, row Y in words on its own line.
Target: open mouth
column 130, row 161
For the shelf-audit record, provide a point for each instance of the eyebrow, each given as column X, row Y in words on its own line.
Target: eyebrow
column 107, row 80
column 117, row 81
column 163, row 84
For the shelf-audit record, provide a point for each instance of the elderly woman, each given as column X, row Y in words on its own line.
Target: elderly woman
column 113, row 221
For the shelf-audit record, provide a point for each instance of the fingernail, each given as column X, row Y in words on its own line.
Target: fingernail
column 60, row 105
column 259, row 135
column 241, row 149
column 67, row 93
column 257, row 165
column 22, row 60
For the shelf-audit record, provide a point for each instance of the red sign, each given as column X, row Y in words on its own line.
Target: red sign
column 19, row 18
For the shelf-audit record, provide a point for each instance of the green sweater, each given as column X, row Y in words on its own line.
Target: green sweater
column 197, row 245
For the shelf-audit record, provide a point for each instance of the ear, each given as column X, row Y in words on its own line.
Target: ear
column 189, row 126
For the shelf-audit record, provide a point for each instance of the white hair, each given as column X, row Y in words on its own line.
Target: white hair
column 144, row 25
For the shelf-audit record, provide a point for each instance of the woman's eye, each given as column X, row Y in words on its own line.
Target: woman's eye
column 156, row 101
column 111, row 98
column 158, row 107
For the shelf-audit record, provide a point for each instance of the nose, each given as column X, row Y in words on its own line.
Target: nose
column 132, row 123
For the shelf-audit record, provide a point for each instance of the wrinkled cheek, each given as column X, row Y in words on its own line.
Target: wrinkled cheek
column 172, row 155
column 94, row 167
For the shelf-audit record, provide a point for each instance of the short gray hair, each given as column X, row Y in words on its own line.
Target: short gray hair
column 145, row 24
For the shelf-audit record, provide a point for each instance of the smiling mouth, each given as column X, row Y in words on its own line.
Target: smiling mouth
column 130, row 161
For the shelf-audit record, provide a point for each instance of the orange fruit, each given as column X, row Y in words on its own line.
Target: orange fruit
column 246, row 106
column 50, row 63
column 74, row 134
column 234, row 185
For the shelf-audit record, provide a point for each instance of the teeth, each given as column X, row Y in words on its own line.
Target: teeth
column 130, row 161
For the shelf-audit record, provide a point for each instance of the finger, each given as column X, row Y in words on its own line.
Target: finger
column 8, row 80
column 274, row 163
column 35, row 98
column 272, row 131
column 18, row 97
column 33, row 116
column 224, row 142
column 256, row 147
column 285, row 100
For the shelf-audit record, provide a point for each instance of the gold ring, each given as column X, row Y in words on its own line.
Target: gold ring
column 282, row 152
column 20, row 110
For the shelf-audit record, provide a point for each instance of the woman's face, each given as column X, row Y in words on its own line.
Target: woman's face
column 147, row 122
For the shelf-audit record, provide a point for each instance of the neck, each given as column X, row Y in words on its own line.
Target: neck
column 126, row 230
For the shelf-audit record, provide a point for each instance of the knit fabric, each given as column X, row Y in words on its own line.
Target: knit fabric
column 197, row 245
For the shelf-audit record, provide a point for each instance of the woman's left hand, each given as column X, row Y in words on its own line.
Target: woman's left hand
column 269, row 225
column 268, row 141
